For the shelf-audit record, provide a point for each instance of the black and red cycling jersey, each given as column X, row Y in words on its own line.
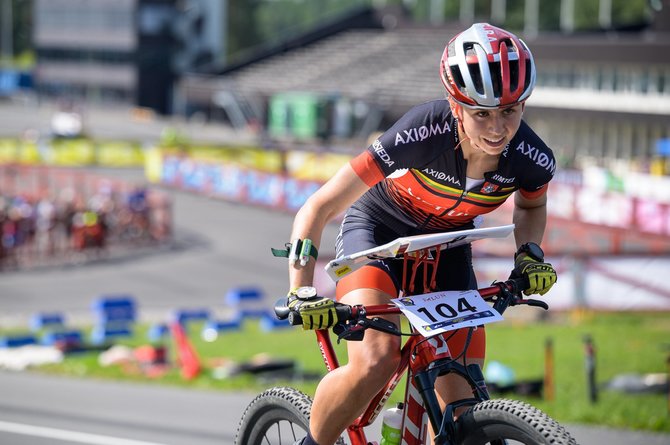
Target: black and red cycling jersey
column 417, row 173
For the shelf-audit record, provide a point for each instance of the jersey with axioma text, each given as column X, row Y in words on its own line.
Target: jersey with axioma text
column 417, row 172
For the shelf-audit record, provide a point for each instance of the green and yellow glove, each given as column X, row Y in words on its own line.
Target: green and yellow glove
column 316, row 312
column 529, row 264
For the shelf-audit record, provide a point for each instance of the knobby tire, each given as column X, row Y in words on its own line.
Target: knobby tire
column 278, row 416
column 494, row 421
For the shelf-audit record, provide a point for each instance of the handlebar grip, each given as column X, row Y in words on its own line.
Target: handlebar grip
column 281, row 309
column 294, row 318
column 342, row 312
column 518, row 284
column 283, row 312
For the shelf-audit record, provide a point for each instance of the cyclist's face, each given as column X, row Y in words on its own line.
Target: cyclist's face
column 491, row 130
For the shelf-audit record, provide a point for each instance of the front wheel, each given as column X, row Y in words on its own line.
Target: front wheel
column 509, row 422
column 278, row 416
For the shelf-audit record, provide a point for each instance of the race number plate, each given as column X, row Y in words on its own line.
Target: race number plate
column 438, row 312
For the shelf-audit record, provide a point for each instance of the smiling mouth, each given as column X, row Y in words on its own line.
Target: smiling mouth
column 495, row 143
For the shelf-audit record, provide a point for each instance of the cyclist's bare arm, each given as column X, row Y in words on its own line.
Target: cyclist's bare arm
column 530, row 218
column 333, row 198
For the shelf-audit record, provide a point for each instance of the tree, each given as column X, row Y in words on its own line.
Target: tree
column 19, row 34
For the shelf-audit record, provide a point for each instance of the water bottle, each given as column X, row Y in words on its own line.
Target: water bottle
column 391, row 425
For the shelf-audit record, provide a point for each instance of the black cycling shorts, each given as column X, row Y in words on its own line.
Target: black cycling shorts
column 360, row 231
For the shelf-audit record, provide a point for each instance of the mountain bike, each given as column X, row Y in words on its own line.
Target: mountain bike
column 280, row 415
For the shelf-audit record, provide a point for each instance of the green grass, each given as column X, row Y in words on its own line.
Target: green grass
column 625, row 343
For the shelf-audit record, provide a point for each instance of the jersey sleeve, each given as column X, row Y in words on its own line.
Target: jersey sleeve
column 537, row 177
column 367, row 169
column 540, row 172
column 534, row 163
column 415, row 139
column 535, row 193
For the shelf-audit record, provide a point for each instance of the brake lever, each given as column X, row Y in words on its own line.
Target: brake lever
column 504, row 300
column 356, row 331
column 383, row 325
column 349, row 331
column 535, row 303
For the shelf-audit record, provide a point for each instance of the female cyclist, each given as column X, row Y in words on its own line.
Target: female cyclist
column 438, row 168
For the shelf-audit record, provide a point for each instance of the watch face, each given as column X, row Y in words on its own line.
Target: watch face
column 306, row 292
column 533, row 250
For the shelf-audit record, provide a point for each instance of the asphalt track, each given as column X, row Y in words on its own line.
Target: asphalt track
column 217, row 246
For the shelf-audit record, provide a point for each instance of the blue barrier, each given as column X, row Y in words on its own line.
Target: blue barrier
column 43, row 320
column 14, row 341
column 108, row 309
column 102, row 333
column 71, row 337
column 250, row 303
column 241, row 295
column 114, row 315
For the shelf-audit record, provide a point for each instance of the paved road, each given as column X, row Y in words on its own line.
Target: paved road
column 40, row 410
column 217, row 246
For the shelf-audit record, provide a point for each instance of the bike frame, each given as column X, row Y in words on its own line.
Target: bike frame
column 423, row 359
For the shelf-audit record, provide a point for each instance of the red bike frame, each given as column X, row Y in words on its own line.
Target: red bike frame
column 416, row 354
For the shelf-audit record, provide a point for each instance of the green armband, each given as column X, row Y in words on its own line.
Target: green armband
column 297, row 250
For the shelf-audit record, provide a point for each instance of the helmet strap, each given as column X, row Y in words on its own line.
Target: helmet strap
column 457, row 112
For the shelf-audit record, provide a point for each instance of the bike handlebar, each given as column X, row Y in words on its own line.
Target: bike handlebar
column 504, row 294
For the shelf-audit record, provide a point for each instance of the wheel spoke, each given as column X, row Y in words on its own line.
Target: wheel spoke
column 274, row 417
column 293, row 432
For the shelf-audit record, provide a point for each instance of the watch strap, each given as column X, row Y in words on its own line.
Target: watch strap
column 531, row 249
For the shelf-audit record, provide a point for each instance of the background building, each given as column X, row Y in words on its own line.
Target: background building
column 125, row 51
column 335, row 74
column 600, row 94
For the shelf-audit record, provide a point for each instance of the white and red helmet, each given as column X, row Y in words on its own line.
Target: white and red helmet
column 487, row 67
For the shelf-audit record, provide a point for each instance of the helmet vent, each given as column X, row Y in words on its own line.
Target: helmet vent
column 476, row 77
column 456, row 75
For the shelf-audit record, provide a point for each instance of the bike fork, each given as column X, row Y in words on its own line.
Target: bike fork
column 414, row 424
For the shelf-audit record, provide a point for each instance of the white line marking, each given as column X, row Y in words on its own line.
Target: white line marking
column 72, row 436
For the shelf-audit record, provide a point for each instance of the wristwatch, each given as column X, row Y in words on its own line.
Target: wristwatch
column 532, row 250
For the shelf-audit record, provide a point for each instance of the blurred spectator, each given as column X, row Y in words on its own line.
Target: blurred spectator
column 45, row 224
column 84, row 218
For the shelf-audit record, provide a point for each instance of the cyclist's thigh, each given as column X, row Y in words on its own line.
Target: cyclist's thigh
column 376, row 276
column 370, row 285
column 360, row 231
column 377, row 349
